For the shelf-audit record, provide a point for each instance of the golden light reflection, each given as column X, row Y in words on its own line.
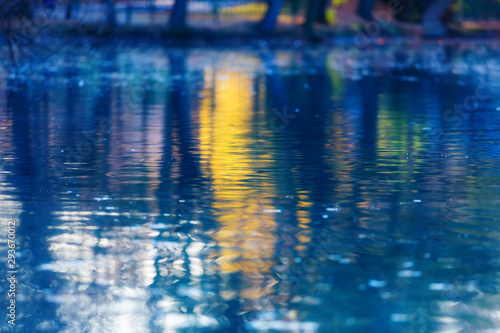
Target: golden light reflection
column 246, row 235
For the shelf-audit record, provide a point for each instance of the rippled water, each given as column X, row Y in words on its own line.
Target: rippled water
column 239, row 190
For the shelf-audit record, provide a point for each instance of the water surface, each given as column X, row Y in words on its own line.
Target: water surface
column 254, row 190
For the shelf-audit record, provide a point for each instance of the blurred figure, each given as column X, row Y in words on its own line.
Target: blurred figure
column 431, row 19
column 432, row 11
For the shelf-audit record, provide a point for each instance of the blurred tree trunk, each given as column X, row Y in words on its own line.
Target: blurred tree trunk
column 8, row 33
column 268, row 23
column 111, row 17
column 178, row 16
column 152, row 11
column 365, row 8
column 14, row 11
column 321, row 17
column 68, row 10
column 312, row 15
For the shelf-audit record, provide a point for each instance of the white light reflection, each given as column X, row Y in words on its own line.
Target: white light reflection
column 104, row 277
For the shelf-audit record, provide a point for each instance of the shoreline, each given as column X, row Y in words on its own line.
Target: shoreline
column 249, row 33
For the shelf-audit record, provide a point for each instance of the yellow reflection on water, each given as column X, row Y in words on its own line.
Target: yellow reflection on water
column 246, row 235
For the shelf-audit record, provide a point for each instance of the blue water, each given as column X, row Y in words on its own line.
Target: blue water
column 325, row 189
